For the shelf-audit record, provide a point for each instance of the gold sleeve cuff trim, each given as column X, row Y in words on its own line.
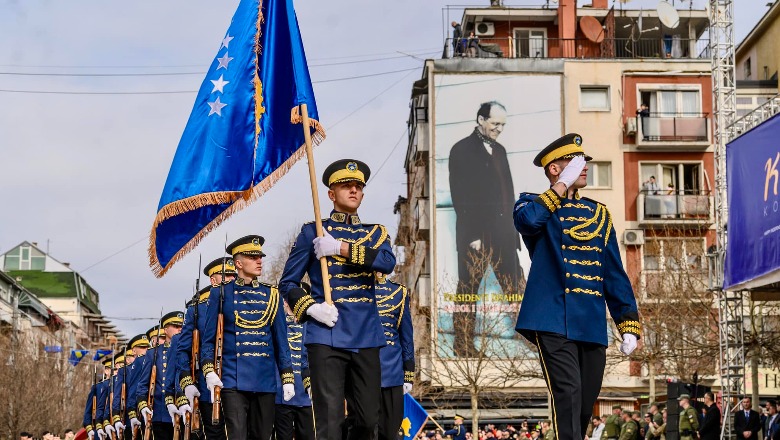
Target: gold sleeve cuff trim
column 98, row 426
column 186, row 381
column 288, row 378
column 181, row 400
column 168, row 400
column 307, row 382
column 301, row 306
column 207, row 368
column 131, row 414
column 88, row 428
column 630, row 327
column 141, row 405
column 409, row 376
column 115, row 419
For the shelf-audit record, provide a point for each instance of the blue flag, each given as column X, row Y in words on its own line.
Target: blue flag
column 99, row 353
column 52, row 349
column 76, row 356
column 244, row 132
column 415, row 417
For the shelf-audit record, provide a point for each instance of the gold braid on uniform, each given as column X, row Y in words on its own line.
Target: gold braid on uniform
column 185, row 381
column 169, row 400
column 267, row 315
column 181, row 400
column 549, row 199
column 632, row 327
column 288, row 377
column 115, row 419
column 577, row 232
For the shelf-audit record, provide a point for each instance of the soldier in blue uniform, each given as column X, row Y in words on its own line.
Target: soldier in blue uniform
column 175, row 400
column 294, row 418
column 162, row 423
column 343, row 353
column 113, row 425
column 138, row 345
column 458, row 432
column 93, row 425
column 575, row 270
column 397, row 357
column 220, row 270
column 121, row 415
column 106, row 409
column 155, row 335
column 102, row 399
column 255, row 345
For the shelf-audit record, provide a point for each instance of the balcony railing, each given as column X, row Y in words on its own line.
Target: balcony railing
column 672, row 127
column 610, row 48
column 675, row 208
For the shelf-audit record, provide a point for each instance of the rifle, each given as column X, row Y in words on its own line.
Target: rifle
column 94, row 395
column 219, row 342
column 192, row 420
column 123, row 396
column 111, row 390
column 152, row 380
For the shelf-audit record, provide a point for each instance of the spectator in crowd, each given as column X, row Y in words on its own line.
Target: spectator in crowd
column 47, row 435
column 650, row 186
column 534, row 434
column 772, row 421
column 457, row 37
column 709, row 429
column 25, row 436
column 69, row 435
column 598, row 428
column 747, row 422
column 643, row 112
column 473, row 45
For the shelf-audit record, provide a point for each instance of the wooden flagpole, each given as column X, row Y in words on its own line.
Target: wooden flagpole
column 315, row 199
column 434, row 422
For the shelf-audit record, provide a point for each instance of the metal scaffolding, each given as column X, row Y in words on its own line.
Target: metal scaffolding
column 730, row 304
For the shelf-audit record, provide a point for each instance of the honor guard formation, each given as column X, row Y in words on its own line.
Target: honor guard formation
column 251, row 360
column 332, row 359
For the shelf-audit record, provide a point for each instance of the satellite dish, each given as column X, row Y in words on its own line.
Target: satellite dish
column 668, row 15
column 592, row 29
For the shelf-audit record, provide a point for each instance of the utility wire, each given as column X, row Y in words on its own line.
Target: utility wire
column 168, row 92
column 114, row 254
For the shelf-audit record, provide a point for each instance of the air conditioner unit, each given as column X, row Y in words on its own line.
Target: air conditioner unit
column 485, row 29
column 631, row 126
column 633, row 237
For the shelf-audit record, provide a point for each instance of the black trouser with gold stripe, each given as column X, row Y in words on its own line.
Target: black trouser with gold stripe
column 573, row 371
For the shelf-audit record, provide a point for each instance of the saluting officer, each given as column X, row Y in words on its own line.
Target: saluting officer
column 458, row 432
column 95, row 391
column 255, row 345
column 294, row 419
column 139, row 344
column 397, row 356
column 612, row 424
column 220, row 270
column 689, row 420
column 343, row 353
column 575, row 269
column 162, row 422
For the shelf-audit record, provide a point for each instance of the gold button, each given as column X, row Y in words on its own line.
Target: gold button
column 238, row 333
column 330, row 228
column 235, row 301
column 238, row 354
column 330, row 263
column 563, row 247
column 568, row 274
column 565, row 260
column 561, row 218
column 567, row 290
column 330, row 276
column 237, row 344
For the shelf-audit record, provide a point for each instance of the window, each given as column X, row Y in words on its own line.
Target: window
column 531, row 42
column 747, row 69
column 594, row 98
column 599, row 174
column 676, row 254
column 672, row 178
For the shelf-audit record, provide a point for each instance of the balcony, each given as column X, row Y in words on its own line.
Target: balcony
column 684, row 209
column 673, row 130
column 578, row 48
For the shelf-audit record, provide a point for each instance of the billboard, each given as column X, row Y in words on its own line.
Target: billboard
column 487, row 130
column 753, row 245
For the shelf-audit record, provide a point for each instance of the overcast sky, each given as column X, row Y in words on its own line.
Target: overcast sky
column 84, row 172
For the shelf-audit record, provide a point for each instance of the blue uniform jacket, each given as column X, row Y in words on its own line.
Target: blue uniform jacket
column 300, row 366
column 116, row 408
column 133, row 377
column 255, row 336
column 457, row 433
column 159, row 410
column 87, row 422
column 575, row 269
column 184, row 347
column 173, row 393
column 397, row 356
column 102, row 403
column 351, row 280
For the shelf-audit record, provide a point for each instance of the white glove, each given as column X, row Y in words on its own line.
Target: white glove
column 326, row 246
column 134, row 422
column 325, row 313
column 101, row 433
column 147, row 413
column 119, row 426
column 288, row 390
column 407, row 388
column 109, row 430
column 629, row 344
column 91, row 434
column 191, row 392
column 212, row 380
column 572, row 172
column 172, row 410
column 184, row 409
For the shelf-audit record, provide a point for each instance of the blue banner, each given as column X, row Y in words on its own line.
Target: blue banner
column 52, row 349
column 76, row 356
column 99, row 353
column 753, row 176
column 415, row 417
column 244, row 132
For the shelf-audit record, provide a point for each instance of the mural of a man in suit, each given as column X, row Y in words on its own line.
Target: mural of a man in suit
column 483, row 199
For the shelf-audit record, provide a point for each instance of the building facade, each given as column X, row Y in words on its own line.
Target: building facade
column 552, row 71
